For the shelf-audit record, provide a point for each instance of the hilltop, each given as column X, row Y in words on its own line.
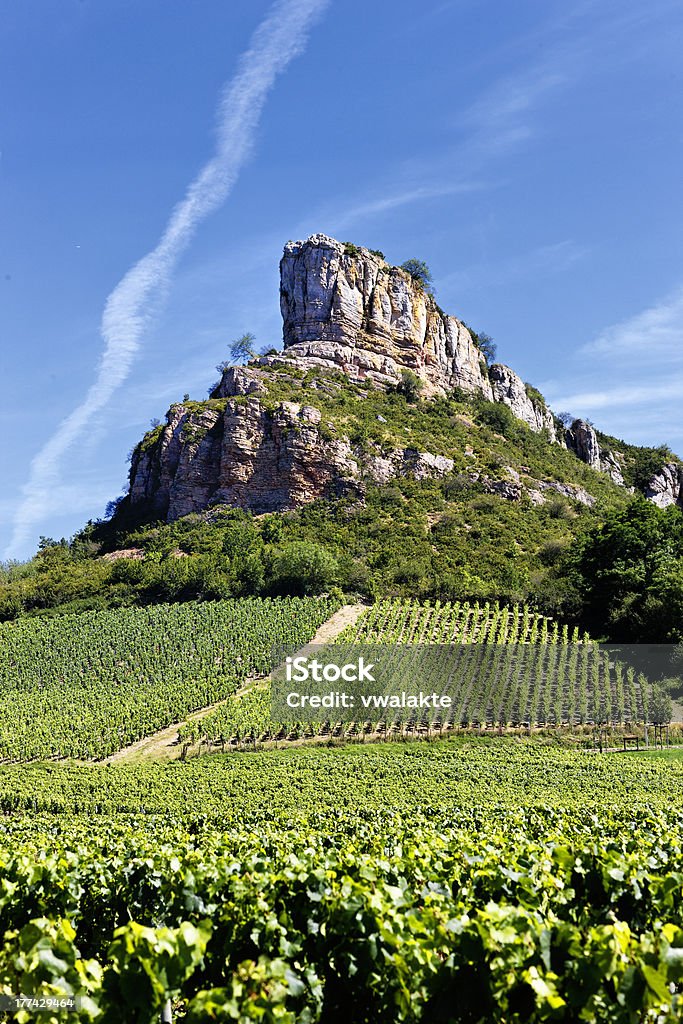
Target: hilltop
column 380, row 452
column 293, row 426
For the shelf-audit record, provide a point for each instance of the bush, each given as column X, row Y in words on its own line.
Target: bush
column 410, row 386
column 499, row 418
column 303, row 568
column 420, row 273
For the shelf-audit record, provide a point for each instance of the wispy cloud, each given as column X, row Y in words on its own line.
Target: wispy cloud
column 642, row 359
column 277, row 41
column 501, row 118
column 658, row 329
column 623, row 395
column 402, row 197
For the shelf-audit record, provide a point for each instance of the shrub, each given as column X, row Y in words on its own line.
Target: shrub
column 302, row 568
column 420, row 273
column 499, row 418
column 410, row 386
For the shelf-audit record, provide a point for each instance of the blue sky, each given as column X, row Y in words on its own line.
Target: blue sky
column 530, row 153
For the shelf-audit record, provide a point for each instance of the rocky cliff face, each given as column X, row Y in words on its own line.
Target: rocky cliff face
column 344, row 308
column 354, row 311
column 583, row 441
column 511, row 390
column 666, row 487
column 350, row 310
column 256, row 458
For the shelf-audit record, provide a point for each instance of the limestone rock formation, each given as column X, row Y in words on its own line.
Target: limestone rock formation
column 239, row 380
column 583, row 441
column 666, row 487
column 346, row 306
column 258, row 459
column 571, row 491
column 510, row 389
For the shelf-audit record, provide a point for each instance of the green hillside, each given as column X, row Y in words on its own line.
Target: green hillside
column 476, row 534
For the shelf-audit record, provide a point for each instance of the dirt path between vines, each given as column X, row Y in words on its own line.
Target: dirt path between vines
column 163, row 745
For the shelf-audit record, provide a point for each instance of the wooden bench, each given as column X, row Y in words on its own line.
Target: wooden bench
column 631, row 740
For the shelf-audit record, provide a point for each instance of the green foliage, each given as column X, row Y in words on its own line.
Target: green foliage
column 243, row 348
column 464, row 544
column 629, row 572
column 430, row 883
column 535, row 395
column 410, row 386
column 645, row 463
column 661, row 708
column 302, row 567
column 499, row 418
column 486, row 346
column 420, row 273
column 354, row 250
column 640, row 463
column 86, row 685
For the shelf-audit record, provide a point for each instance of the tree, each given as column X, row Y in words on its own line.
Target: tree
column 566, row 418
column 500, row 418
column 45, row 543
column 644, row 463
column 113, row 507
column 420, row 272
column 410, row 385
column 629, row 571
column 302, row 567
column 487, row 347
column 661, row 709
column 243, row 348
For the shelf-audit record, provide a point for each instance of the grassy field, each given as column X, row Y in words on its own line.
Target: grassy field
column 673, row 754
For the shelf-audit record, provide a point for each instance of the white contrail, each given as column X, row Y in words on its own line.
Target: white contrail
column 278, row 39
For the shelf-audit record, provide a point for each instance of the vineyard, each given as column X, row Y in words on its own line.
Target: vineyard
column 86, row 685
column 475, row 881
column 464, row 881
column 522, row 669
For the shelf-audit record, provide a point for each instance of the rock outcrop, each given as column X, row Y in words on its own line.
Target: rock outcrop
column 583, row 441
column 345, row 307
column 239, row 380
column 511, row 390
column 259, row 459
column 666, row 487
